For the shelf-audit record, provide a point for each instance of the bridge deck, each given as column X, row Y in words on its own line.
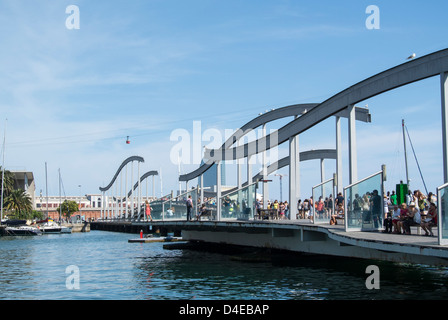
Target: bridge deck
column 325, row 238
column 353, row 237
column 413, row 239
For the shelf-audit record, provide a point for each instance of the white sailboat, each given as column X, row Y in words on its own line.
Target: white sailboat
column 49, row 226
column 64, row 229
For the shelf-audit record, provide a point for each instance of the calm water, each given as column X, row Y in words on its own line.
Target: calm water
column 112, row 268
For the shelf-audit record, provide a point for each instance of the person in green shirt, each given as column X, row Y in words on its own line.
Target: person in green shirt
column 393, row 198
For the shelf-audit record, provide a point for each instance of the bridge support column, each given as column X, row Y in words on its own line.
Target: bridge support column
column 239, row 167
column 120, row 209
column 249, row 171
column 294, row 176
column 201, row 179
column 153, row 188
column 218, row 190
column 102, row 205
column 126, row 193
column 444, row 93
column 353, row 162
column 338, row 155
column 322, row 170
column 116, row 200
column 265, row 174
column 108, row 204
column 131, row 214
column 139, row 194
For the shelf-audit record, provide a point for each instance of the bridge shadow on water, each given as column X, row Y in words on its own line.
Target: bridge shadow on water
column 331, row 277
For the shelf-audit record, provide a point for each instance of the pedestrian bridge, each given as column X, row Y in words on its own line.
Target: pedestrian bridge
column 299, row 236
column 239, row 205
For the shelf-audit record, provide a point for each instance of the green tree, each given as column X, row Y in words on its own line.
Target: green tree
column 68, row 208
column 8, row 186
column 19, row 203
column 39, row 215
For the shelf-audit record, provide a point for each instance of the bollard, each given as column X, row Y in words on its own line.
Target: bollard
column 141, row 234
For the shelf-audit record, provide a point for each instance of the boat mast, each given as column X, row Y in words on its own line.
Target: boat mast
column 416, row 160
column 46, row 185
column 3, row 170
column 60, row 205
column 405, row 154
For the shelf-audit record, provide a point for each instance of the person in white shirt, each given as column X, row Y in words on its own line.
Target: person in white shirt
column 396, row 219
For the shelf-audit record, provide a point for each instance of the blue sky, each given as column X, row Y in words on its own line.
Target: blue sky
column 146, row 68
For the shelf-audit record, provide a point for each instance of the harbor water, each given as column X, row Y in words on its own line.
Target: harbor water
column 104, row 265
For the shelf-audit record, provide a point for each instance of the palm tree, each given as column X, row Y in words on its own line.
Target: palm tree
column 19, row 202
column 8, row 186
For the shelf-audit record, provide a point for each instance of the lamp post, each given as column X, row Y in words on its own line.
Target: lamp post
column 281, row 184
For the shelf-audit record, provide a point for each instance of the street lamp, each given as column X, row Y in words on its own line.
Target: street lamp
column 281, row 183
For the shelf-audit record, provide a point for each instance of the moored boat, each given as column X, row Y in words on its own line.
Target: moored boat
column 21, row 231
column 48, row 226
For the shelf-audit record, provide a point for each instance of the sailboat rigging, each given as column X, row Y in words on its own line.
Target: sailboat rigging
column 405, row 129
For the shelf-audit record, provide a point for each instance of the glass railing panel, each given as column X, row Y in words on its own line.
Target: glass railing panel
column 364, row 204
column 208, row 209
column 239, row 204
column 442, row 222
column 323, row 201
column 174, row 208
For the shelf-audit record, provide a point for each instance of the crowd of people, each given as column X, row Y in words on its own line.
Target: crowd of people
column 280, row 208
column 417, row 210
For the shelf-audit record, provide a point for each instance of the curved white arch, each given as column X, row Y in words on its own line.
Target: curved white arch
column 431, row 65
column 125, row 162
column 362, row 114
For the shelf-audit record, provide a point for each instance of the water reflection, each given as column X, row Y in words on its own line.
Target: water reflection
column 112, row 268
column 203, row 275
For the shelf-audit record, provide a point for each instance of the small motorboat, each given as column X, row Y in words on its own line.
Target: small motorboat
column 48, row 226
column 50, row 229
column 21, row 231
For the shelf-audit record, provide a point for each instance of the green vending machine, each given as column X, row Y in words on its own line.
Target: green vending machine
column 402, row 191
